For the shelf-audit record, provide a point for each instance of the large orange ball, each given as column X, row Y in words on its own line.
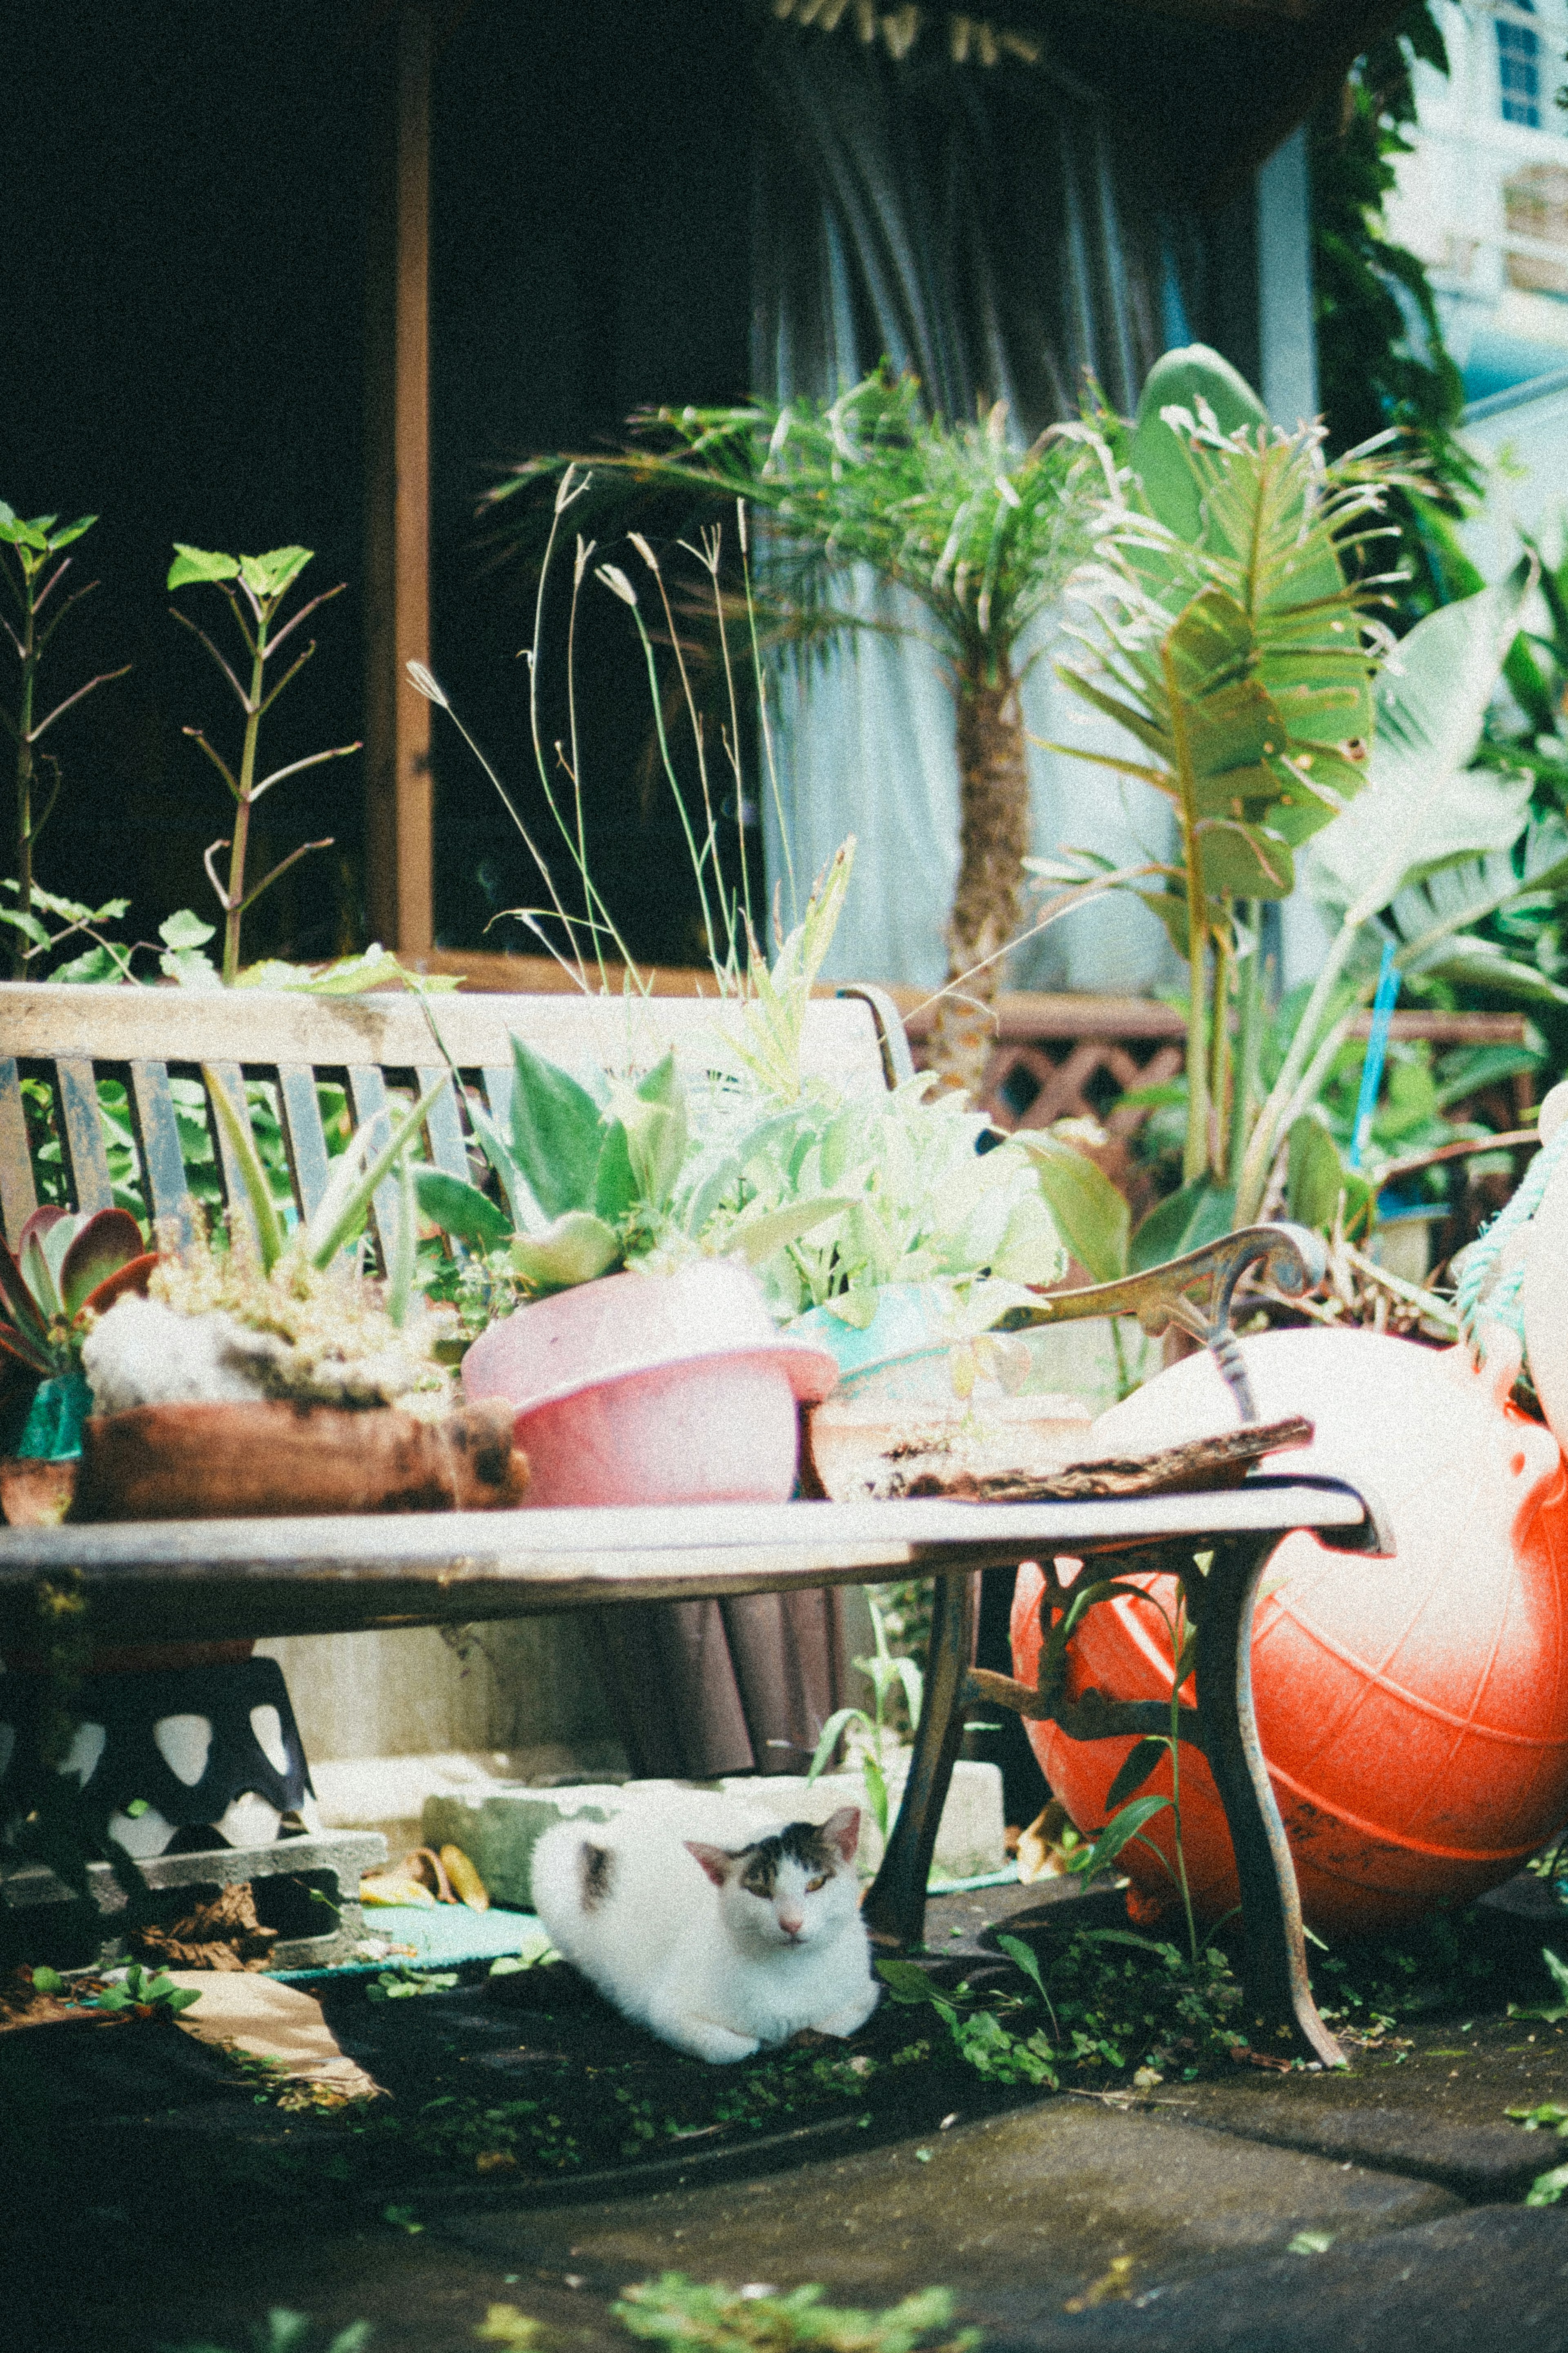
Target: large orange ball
column 1413, row 1712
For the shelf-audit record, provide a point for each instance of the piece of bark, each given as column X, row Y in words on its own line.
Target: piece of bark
column 1201, row 1464
column 35, row 1494
column 269, row 1460
column 849, row 1446
column 222, row 1934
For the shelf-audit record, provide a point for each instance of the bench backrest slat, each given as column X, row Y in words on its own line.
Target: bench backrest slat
column 81, row 1133
column 157, row 1131
column 18, row 1197
column 304, row 1137
column 443, row 1125
column 372, row 1109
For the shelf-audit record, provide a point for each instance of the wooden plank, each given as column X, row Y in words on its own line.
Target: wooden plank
column 157, row 1130
column 18, row 1198
column 167, row 1580
column 372, row 1107
column 309, row 1163
column 443, row 1125
column 398, row 804
column 81, row 1133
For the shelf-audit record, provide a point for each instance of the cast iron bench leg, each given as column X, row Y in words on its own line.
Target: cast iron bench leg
column 894, row 1908
column 1281, row 2014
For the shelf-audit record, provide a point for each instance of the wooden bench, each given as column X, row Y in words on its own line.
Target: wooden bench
column 59, row 1047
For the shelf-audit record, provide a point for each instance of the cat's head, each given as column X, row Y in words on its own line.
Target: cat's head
column 794, row 1888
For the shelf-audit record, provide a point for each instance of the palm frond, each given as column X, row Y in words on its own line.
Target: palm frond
column 980, row 533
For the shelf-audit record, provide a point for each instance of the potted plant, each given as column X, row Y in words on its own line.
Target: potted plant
column 709, row 1256
column 267, row 1376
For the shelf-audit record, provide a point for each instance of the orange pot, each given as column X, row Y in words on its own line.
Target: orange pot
column 1413, row 1712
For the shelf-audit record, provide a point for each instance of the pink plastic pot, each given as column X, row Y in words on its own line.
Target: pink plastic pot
column 670, row 1388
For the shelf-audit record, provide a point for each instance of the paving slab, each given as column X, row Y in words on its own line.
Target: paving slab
column 1016, row 2214
column 1433, row 2108
column 1494, row 2277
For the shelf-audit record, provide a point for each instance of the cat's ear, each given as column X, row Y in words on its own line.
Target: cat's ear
column 842, row 1830
column 713, row 1859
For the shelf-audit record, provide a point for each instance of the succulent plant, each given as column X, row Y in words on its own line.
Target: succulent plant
column 65, row 1269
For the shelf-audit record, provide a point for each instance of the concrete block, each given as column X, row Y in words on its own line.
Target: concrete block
column 388, row 1793
column 499, row 1827
column 968, row 1841
column 334, row 1863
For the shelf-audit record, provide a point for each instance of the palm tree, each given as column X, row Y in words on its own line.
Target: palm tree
column 978, row 534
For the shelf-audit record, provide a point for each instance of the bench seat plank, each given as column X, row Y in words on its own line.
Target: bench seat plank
column 199, row 1580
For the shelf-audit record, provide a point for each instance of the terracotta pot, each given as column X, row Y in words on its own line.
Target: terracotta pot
column 1413, row 1712
column 269, row 1461
column 664, row 1388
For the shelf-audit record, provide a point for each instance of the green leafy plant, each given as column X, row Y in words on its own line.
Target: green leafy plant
column 33, row 578
column 1404, row 837
column 291, row 2332
column 148, row 1992
column 685, row 2314
column 1227, row 639
column 975, row 532
column 255, row 588
column 337, row 1218
column 885, row 1674
column 65, row 1271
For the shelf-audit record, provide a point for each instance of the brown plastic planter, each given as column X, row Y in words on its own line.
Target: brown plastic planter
column 271, row 1461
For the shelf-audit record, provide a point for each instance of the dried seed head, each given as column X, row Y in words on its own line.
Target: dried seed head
column 424, row 683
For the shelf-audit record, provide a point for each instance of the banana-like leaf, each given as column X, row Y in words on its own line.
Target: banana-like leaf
column 1480, row 964
column 1423, row 806
column 1187, row 378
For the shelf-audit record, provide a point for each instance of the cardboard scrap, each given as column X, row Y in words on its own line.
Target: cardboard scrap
column 279, row 2024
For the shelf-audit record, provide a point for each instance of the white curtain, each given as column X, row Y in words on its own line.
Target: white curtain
column 981, row 229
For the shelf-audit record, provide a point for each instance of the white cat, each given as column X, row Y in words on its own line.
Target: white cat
column 717, row 1948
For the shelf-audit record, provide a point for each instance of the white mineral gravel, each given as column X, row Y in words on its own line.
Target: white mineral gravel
column 143, row 1353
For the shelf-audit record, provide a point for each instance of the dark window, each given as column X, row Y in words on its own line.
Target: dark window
column 1518, row 71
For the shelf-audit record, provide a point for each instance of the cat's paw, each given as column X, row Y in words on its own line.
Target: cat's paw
column 841, row 2023
column 704, row 2038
